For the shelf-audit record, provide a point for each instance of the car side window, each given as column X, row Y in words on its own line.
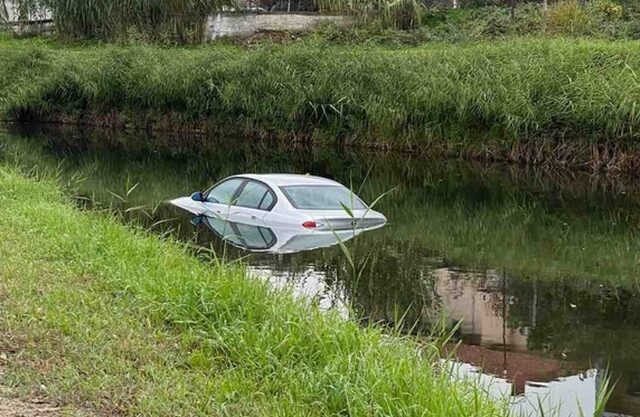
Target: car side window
column 254, row 194
column 267, row 202
column 224, row 192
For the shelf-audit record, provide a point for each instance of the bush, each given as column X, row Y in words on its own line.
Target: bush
column 607, row 9
column 568, row 17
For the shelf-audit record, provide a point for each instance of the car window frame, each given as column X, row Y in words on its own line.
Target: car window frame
column 294, row 205
column 206, row 194
column 269, row 191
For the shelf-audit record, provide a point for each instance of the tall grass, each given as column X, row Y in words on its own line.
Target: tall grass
column 511, row 89
column 176, row 21
column 398, row 14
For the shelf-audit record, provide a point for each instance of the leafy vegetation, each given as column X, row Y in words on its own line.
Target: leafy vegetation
column 603, row 19
column 131, row 324
column 511, row 89
column 166, row 21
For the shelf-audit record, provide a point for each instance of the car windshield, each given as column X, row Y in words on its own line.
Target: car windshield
column 321, row 197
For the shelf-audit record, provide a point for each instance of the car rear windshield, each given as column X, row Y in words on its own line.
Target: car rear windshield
column 321, row 197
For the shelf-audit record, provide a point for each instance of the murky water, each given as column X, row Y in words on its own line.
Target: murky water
column 541, row 268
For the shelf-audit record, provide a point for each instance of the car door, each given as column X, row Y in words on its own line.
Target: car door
column 219, row 199
column 252, row 203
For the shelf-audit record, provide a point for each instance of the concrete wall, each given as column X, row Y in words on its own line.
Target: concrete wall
column 243, row 25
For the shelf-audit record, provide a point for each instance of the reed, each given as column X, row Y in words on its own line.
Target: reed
column 396, row 14
column 511, row 89
column 168, row 21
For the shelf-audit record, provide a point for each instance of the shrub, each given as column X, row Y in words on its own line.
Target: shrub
column 497, row 24
column 607, row 8
column 568, row 17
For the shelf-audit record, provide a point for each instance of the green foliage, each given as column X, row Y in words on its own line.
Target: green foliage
column 608, row 8
column 169, row 21
column 511, row 89
column 568, row 17
column 397, row 14
column 604, row 19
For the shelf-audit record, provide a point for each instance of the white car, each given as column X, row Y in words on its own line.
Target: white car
column 283, row 200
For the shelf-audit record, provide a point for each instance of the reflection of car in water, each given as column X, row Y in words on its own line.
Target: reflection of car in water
column 285, row 200
column 281, row 213
column 275, row 239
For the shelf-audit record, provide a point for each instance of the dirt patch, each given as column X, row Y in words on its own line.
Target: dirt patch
column 10, row 404
column 32, row 407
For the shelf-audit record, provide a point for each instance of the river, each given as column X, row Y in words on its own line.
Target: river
column 540, row 268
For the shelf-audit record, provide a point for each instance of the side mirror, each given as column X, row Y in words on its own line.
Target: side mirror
column 197, row 196
column 196, row 220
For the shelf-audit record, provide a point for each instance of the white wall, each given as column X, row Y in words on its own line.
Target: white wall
column 220, row 25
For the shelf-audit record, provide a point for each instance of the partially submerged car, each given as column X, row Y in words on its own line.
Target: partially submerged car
column 283, row 200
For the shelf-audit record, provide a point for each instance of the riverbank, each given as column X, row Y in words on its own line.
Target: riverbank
column 530, row 101
column 108, row 318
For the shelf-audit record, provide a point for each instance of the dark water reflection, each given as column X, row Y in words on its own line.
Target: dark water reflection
column 541, row 267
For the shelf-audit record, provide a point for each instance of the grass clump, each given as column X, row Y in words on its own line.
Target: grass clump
column 512, row 89
column 112, row 318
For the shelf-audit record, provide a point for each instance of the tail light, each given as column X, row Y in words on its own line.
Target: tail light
column 309, row 224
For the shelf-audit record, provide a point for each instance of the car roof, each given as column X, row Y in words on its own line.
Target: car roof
column 290, row 179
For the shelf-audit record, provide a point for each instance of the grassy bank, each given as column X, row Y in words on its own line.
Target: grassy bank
column 104, row 317
column 447, row 99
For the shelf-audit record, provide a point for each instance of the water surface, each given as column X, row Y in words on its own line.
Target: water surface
column 541, row 267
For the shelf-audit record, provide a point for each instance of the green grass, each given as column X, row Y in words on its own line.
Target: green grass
column 371, row 95
column 108, row 317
